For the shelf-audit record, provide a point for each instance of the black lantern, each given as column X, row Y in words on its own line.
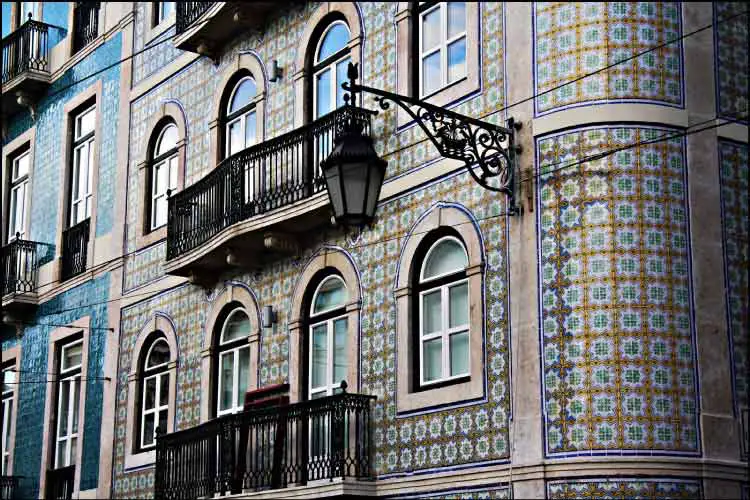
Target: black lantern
column 354, row 175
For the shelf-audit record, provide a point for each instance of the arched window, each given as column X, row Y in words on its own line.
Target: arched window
column 233, row 362
column 442, row 293
column 154, row 394
column 241, row 121
column 164, row 173
column 329, row 68
column 327, row 351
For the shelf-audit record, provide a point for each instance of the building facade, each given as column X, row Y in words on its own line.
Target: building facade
column 587, row 339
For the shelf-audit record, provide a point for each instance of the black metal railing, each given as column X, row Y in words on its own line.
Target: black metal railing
column 26, row 49
column 188, row 12
column 8, row 487
column 86, row 24
column 19, row 262
column 60, row 483
column 75, row 242
column 267, row 448
column 269, row 175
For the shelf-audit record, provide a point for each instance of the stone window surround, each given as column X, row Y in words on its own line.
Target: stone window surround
column 170, row 110
column 10, row 150
column 327, row 259
column 14, row 354
column 234, row 293
column 308, row 43
column 407, row 400
column 94, row 93
column 163, row 323
column 406, row 53
column 56, row 337
column 244, row 63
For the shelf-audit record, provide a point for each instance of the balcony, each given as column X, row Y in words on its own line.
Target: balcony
column 275, row 189
column 75, row 242
column 8, row 487
column 204, row 27
column 86, row 24
column 267, row 449
column 60, row 483
column 20, row 261
column 25, row 65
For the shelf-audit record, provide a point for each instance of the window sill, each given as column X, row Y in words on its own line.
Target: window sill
column 138, row 460
column 443, row 394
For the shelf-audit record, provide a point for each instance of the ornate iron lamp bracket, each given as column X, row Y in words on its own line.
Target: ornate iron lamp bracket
column 487, row 150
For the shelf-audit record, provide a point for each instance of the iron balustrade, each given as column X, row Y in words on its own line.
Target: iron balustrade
column 263, row 177
column 8, row 487
column 19, row 262
column 27, row 48
column 267, row 448
column 86, row 24
column 188, row 12
column 60, row 483
column 75, row 241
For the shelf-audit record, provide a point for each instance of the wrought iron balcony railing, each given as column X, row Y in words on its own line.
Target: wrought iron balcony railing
column 188, row 12
column 19, row 262
column 267, row 448
column 269, row 175
column 75, row 242
column 27, row 48
column 86, row 24
column 60, row 483
column 8, row 487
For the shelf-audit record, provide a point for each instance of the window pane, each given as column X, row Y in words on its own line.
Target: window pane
column 448, row 256
column 236, row 327
column 330, row 295
column 21, row 166
column 86, row 123
column 244, row 374
column 72, row 356
column 173, row 173
column 73, row 443
column 243, row 94
column 161, row 427
column 335, row 39
column 227, row 376
column 168, row 140
column 431, row 80
column 159, row 354
column 9, row 379
column 339, row 350
column 459, row 305
column 164, row 390
column 150, row 388
column 431, row 312
column 62, row 417
column 319, row 357
column 160, row 211
column 432, row 359
column 167, row 8
column 431, row 30
column 89, row 166
column 61, row 449
column 341, row 68
column 456, row 18
column 250, row 129
column 75, row 388
column 236, row 141
column 323, row 93
column 459, row 353
column 148, row 429
column 457, row 60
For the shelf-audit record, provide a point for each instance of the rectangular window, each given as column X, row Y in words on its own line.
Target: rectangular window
column 81, row 192
column 442, row 45
column 9, row 387
column 163, row 179
column 19, row 185
column 162, row 11
column 68, row 403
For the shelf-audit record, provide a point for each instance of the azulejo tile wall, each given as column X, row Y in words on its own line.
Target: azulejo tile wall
column 88, row 299
column 733, row 162
column 476, row 433
column 155, row 58
column 574, row 39
column 482, row 493
column 731, row 42
column 615, row 298
column 652, row 488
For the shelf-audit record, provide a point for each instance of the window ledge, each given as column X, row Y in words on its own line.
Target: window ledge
column 142, row 459
column 438, row 397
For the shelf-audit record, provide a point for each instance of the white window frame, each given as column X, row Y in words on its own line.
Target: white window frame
column 8, row 396
column 330, row 67
column 171, row 165
column 160, row 17
column 242, row 119
column 83, row 144
column 19, row 189
column 74, row 381
column 331, row 385
column 442, row 46
column 237, row 405
column 445, row 331
column 158, row 407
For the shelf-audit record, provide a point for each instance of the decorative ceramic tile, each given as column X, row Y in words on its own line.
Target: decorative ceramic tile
column 480, row 493
column 731, row 42
column 625, row 488
column 615, row 297
column 733, row 161
column 144, row 267
column 574, row 39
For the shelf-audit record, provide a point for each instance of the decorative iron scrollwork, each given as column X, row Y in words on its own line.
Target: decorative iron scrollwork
column 487, row 150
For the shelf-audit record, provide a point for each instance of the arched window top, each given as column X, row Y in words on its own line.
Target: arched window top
column 167, row 140
column 335, row 38
column 236, row 327
column 158, row 354
column 242, row 94
column 330, row 294
column 445, row 257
